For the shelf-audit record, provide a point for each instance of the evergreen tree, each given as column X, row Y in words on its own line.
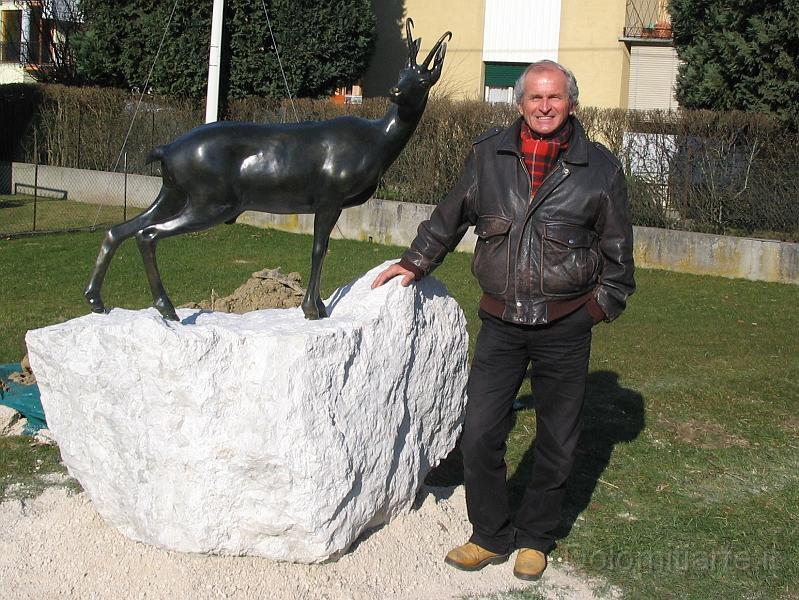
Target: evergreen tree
column 322, row 45
column 738, row 54
column 99, row 48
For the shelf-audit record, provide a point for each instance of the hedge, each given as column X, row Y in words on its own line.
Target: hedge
column 733, row 173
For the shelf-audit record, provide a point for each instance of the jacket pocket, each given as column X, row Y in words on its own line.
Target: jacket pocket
column 569, row 259
column 492, row 253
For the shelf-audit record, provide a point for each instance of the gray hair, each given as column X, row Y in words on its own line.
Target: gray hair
column 541, row 65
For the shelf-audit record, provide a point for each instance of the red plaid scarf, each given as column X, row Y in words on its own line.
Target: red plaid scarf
column 540, row 155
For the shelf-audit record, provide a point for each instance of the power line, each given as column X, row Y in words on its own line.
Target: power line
column 279, row 62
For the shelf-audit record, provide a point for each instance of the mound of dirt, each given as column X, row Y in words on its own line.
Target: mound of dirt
column 23, row 377
column 268, row 288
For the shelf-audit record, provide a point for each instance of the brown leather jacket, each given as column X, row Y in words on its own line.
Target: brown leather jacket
column 571, row 239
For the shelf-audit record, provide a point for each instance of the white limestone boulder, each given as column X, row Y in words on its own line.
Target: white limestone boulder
column 262, row 433
column 8, row 419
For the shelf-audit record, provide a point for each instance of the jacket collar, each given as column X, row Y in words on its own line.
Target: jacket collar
column 576, row 153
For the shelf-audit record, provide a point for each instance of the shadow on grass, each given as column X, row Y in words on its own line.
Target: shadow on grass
column 12, row 203
column 612, row 414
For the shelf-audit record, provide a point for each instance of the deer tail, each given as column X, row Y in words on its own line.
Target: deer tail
column 156, row 154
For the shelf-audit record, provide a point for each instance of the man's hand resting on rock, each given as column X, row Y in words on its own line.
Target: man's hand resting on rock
column 392, row 272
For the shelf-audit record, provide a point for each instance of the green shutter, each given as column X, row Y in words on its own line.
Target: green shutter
column 503, row 74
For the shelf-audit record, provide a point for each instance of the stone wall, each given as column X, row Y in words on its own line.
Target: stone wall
column 388, row 222
column 84, row 185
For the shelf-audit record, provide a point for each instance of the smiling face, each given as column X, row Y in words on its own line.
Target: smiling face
column 545, row 105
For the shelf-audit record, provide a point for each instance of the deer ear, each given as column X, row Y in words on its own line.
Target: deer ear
column 413, row 51
column 438, row 62
column 442, row 52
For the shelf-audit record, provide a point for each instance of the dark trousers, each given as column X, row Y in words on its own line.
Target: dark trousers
column 559, row 354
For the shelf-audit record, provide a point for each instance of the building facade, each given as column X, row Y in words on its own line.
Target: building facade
column 29, row 36
column 621, row 51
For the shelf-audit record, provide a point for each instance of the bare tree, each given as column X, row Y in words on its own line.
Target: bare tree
column 47, row 51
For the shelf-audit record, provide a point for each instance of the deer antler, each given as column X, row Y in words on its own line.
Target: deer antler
column 413, row 46
column 447, row 36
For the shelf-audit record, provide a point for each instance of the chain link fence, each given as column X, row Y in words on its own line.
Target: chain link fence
column 77, row 160
column 66, row 167
column 43, row 198
column 711, row 184
column 723, row 173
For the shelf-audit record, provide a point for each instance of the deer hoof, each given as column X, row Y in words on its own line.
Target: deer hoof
column 95, row 303
column 169, row 316
column 167, row 311
column 315, row 311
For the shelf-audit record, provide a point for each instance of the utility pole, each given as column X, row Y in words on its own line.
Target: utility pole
column 214, row 62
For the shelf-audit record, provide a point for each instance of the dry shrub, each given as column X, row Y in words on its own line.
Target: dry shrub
column 735, row 173
column 729, row 173
column 87, row 127
column 19, row 104
column 430, row 164
column 719, row 172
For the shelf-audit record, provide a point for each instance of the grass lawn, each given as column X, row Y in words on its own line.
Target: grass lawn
column 26, row 468
column 17, row 214
column 687, row 481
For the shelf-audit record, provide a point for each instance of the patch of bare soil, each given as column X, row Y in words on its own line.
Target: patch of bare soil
column 705, row 434
column 268, row 288
column 790, row 424
column 57, row 546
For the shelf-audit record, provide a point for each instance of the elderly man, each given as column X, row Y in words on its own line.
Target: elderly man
column 553, row 258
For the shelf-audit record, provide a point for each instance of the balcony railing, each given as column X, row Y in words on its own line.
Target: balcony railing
column 647, row 19
column 10, row 52
column 22, row 53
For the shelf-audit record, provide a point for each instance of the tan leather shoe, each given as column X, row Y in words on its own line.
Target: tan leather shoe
column 471, row 557
column 530, row 564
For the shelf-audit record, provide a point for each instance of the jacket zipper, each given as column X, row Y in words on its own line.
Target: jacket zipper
column 558, row 167
column 530, row 201
column 529, row 184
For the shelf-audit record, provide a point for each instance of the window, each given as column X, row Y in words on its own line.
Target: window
column 40, row 38
column 348, row 94
column 500, row 79
column 11, row 36
column 499, row 94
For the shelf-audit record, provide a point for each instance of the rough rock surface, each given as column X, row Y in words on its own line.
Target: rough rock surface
column 8, row 419
column 18, row 427
column 44, row 437
column 262, row 433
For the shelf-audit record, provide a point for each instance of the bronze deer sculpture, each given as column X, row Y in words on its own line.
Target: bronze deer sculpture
column 216, row 171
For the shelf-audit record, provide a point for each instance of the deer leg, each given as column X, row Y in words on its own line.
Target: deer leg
column 167, row 202
column 148, row 238
column 323, row 224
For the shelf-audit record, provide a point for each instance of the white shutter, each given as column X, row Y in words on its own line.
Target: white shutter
column 521, row 31
column 653, row 75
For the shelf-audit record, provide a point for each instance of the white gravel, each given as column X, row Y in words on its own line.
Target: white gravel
column 57, row 546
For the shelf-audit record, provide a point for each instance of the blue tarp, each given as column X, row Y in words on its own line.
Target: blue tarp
column 24, row 399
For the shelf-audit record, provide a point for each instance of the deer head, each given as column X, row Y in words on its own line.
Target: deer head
column 415, row 79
